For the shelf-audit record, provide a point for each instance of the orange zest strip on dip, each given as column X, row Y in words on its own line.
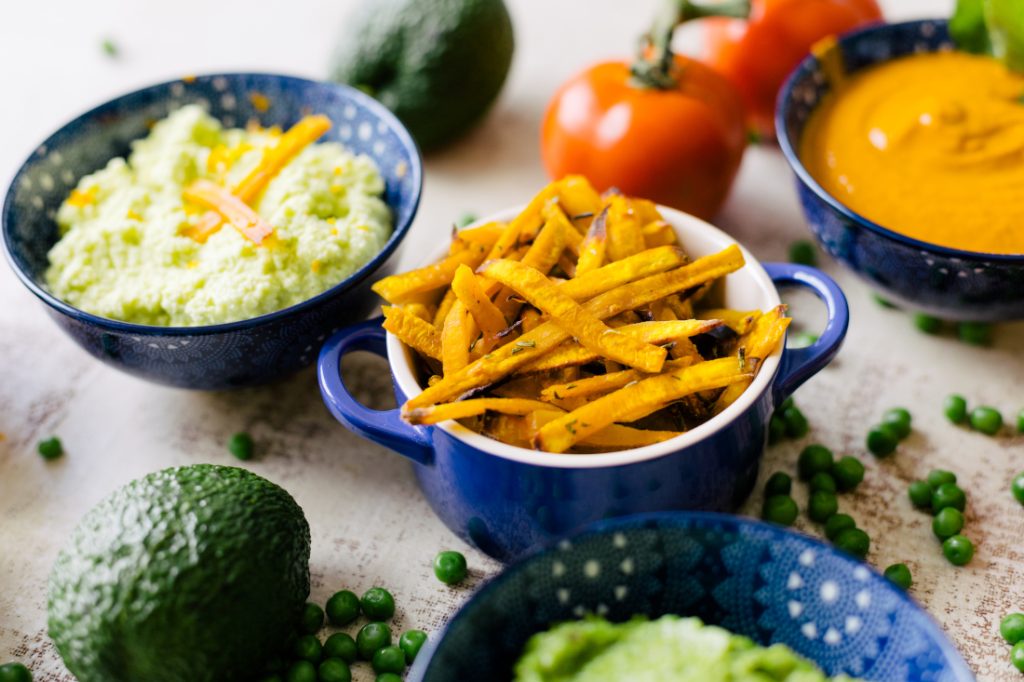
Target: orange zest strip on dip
column 230, row 208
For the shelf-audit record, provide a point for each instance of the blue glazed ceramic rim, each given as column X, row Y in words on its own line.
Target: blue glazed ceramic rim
column 678, row 518
column 811, row 64
column 399, row 233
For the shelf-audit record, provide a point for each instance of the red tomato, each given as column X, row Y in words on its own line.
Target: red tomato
column 679, row 146
column 757, row 54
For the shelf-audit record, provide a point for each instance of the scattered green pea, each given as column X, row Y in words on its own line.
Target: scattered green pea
column 388, row 677
column 803, row 252
column 450, row 567
column 937, row 477
column 796, row 422
column 986, row 419
column 958, row 550
column 947, row 523
column 1017, row 487
column 836, row 524
column 927, row 323
column 855, row 541
column 814, row 459
column 883, row 302
column 948, row 495
column 312, row 619
column 465, row 219
column 780, row 509
column 848, row 472
column 15, row 672
column 51, row 448
column 377, row 603
column 241, row 446
column 822, row 505
column 1017, row 656
column 776, row 430
column 882, row 441
column 342, row 608
column 955, row 408
column 388, row 659
column 334, row 670
column 371, row 637
column 307, row 648
column 302, row 671
column 900, row 576
column 411, row 642
column 898, row 419
column 341, row 645
column 823, row 481
column 778, row 483
column 975, row 333
column 921, row 494
column 1012, row 628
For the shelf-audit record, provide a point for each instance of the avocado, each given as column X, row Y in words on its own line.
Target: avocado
column 194, row 573
column 437, row 64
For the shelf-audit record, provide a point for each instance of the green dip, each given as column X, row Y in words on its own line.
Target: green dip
column 670, row 649
column 122, row 254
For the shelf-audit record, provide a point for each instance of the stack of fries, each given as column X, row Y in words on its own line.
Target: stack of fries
column 576, row 327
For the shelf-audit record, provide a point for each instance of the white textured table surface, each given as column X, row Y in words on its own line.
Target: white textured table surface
column 370, row 525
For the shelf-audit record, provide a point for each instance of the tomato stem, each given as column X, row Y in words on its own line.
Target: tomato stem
column 653, row 67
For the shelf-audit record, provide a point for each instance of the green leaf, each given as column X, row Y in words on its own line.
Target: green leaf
column 1005, row 20
column 968, row 29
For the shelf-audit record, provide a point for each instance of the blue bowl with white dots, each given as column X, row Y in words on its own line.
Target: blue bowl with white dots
column 763, row 581
column 247, row 352
column 948, row 283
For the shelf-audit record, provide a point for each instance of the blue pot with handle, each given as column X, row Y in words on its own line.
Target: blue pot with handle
column 506, row 500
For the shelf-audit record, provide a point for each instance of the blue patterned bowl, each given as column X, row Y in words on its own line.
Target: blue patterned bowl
column 225, row 355
column 946, row 282
column 768, row 583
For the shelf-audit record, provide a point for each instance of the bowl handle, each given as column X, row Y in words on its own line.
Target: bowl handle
column 800, row 364
column 381, row 426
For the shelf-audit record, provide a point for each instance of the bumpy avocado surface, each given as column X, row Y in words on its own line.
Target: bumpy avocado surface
column 190, row 574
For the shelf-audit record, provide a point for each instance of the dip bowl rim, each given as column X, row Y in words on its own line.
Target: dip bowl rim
column 399, row 231
column 789, row 148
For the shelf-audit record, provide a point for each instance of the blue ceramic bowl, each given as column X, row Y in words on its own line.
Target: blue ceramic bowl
column 945, row 282
column 506, row 500
column 768, row 583
column 225, row 355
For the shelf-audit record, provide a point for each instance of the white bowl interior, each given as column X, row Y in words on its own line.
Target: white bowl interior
column 746, row 289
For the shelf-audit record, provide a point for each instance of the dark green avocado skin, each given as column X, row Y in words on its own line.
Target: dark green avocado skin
column 190, row 574
column 437, row 64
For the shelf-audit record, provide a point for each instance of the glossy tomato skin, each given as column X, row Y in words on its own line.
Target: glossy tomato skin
column 758, row 53
column 680, row 147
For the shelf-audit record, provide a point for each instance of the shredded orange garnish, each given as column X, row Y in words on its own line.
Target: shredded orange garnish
column 230, row 207
column 188, row 79
column 192, row 264
column 337, row 170
column 315, row 266
column 260, row 102
column 132, row 215
column 81, row 199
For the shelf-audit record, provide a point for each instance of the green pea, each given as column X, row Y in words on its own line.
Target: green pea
column 467, row 218
column 955, row 408
column 986, row 419
column 823, row 481
column 803, row 252
column 813, row 459
column 1017, row 487
column 975, row 333
column 776, row 430
column 836, row 524
column 958, row 550
column 51, row 448
column 411, row 642
column 927, row 323
column 371, row 637
column 302, row 671
column 307, row 648
column 15, row 672
column 900, row 576
column 377, row 603
column 778, row 483
column 882, row 441
column 948, row 495
column 342, row 608
column 883, row 302
column 241, row 446
column 450, row 567
column 388, row 659
column 388, row 677
column 334, row 670
column 780, row 509
column 1017, row 656
column 937, row 477
column 848, row 472
column 341, row 645
column 921, row 494
column 1012, row 628
column 947, row 523
column 312, row 619
column 796, row 422
column 898, row 419
column 822, row 505
column 854, row 541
